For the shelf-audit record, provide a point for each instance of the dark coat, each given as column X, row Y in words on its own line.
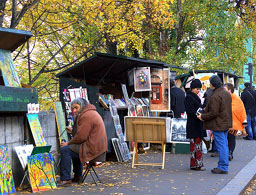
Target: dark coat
column 248, row 99
column 194, row 125
column 218, row 112
column 177, row 101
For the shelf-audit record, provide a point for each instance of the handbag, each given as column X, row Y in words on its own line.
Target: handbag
column 253, row 109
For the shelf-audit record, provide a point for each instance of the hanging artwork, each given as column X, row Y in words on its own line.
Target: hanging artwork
column 23, row 152
column 41, row 172
column 160, row 94
column 36, row 129
column 9, row 72
column 142, row 79
column 178, row 131
column 6, row 179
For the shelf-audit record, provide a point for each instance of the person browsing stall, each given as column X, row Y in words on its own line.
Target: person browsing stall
column 239, row 119
column 194, row 126
column 89, row 141
column 218, row 118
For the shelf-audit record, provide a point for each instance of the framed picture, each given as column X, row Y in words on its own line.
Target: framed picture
column 178, row 131
column 142, row 79
column 160, row 94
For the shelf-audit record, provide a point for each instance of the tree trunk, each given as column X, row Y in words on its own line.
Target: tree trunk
column 2, row 9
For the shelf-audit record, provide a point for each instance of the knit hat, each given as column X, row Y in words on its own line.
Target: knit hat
column 215, row 81
column 196, row 83
column 247, row 85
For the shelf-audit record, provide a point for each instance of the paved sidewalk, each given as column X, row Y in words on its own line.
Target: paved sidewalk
column 176, row 178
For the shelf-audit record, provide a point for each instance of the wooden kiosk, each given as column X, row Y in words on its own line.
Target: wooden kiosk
column 146, row 130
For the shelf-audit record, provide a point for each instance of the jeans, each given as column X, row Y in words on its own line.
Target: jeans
column 67, row 156
column 221, row 144
column 251, row 127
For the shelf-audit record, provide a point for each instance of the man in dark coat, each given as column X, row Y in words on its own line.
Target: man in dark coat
column 177, row 100
column 248, row 97
column 218, row 118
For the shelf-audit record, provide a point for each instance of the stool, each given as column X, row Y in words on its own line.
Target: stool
column 90, row 168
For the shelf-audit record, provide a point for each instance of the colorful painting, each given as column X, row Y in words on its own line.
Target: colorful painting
column 6, row 179
column 23, row 152
column 142, row 79
column 41, row 172
column 61, row 122
column 9, row 72
column 36, row 129
column 160, row 94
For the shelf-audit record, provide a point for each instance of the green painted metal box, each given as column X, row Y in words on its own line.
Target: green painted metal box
column 13, row 99
column 178, row 148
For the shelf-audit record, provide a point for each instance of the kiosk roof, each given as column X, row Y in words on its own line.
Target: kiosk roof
column 11, row 39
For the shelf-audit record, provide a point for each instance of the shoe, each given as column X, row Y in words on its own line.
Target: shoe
column 214, row 154
column 76, row 179
column 218, row 171
column 64, row 183
column 246, row 138
column 230, row 157
column 198, row 169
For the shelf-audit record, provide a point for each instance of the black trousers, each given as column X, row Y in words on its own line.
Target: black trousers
column 231, row 142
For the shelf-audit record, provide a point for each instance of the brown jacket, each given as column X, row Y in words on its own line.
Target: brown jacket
column 91, row 134
column 218, row 112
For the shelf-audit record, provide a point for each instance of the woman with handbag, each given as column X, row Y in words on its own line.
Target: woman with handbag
column 194, row 126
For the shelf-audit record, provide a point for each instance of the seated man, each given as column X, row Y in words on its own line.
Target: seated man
column 89, row 141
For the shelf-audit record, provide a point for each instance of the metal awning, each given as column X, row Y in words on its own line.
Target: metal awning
column 108, row 67
column 11, row 39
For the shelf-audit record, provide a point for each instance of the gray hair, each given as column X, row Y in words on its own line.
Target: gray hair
column 215, row 81
column 82, row 102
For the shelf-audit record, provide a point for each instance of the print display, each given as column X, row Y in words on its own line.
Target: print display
column 9, row 72
column 6, row 178
column 178, row 131
column 36, row 129
column 142, row 79
column 160, row 94
column 41, row 172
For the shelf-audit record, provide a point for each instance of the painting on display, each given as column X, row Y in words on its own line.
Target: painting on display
column 41, row 172
column 9, row 72
column 160, row 94
column 36, row 129
column 61, row 122
column 23, row 152
column 178, row 131
column 142, row 79
column 6, row 178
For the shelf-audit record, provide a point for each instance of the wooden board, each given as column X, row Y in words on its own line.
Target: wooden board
column 61, row 123
column 151, row 133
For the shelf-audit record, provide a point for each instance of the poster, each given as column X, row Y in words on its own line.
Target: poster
column 142, row 79
column 6, row 178
column 41, row 172
column 9, row 72
column 160, row 94
column 23, row 152
column 178, row 131
column 36, row 129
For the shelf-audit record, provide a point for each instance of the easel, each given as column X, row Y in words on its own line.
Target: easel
column 155, row 139
column 36, row 150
